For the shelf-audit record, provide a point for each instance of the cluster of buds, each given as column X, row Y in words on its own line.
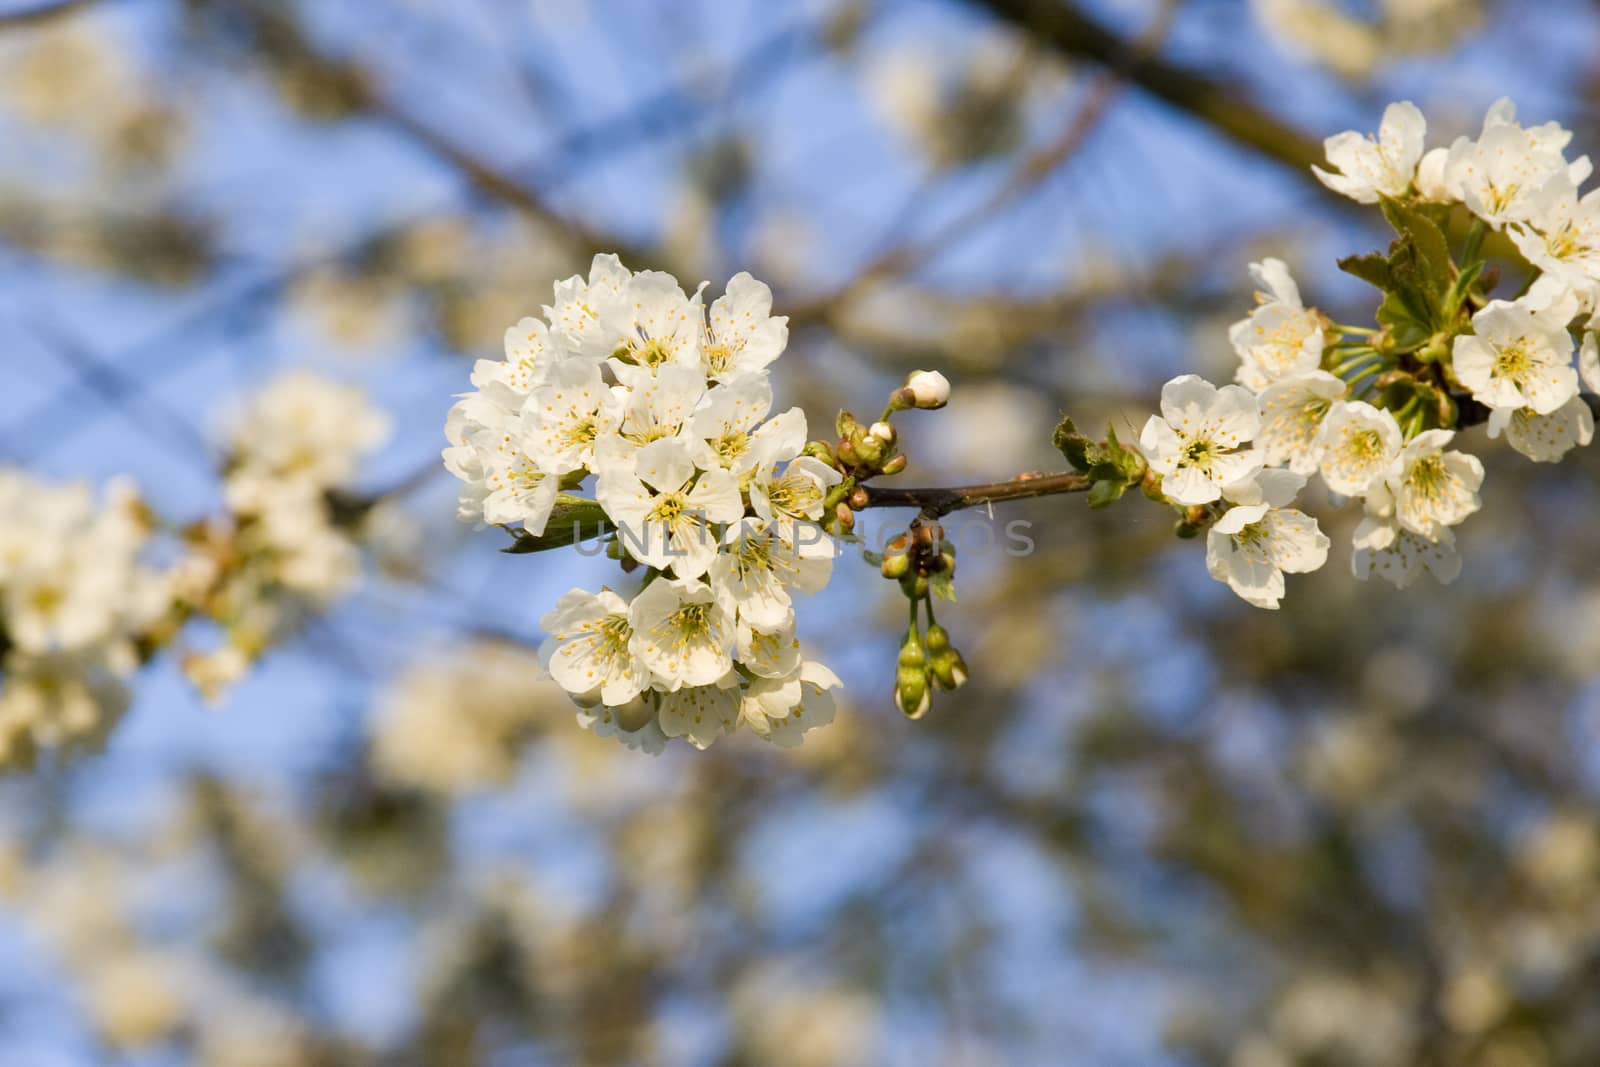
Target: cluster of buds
column 863, row 451
column 924, row 564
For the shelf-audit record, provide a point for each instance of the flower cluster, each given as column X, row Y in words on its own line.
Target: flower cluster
column 75, row 600
column 1375, row 412
column 666, row 404
column 286, row 547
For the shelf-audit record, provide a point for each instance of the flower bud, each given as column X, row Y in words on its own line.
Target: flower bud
column 949, row 670
column 819, row 450
column 911, row 653
column 847, row 453
column 928, row 388
column 858, row 498
column 868, row 448
column 895, row 566
column 911, row 693
column 846, row 517
column 636, row 713
column 938, row 638
column 914, row 586
column 883, row 432
column 894, row 465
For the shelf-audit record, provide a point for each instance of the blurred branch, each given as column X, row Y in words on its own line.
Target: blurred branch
column 1029, row 173
column 36, row 14
column 1220, row 105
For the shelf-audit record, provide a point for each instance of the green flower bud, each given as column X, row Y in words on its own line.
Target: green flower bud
column 914, row 585
column 636, row 713
column 911, row 693
column 894, row 464
column 948, row 669
column 896, row 566
column 938, row 638
column 911, row 653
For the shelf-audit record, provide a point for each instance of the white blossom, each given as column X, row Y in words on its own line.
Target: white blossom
column 682, row 634
column 1370, row 167
column 1499, row 175
column 1397, row 555
column 1517, row 358
column 567, row 416
column 585, row 310
column 1589, row 362
column 792, row 500
column 782, row 709
column 742, row 334
column 1252, row 546
column 589, row 649
column 1433, row 488
column 1292, row 413
column 1544, row 438
column 757, row 569
column 698, row 714
column 655, row 324
column 1561, row 235
column 1359, row 443
column 727, row 431
column 664, row 509
column 1281, row 338
column 300, row 425
column 1195, row 443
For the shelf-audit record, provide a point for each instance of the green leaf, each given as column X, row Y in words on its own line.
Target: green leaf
column 1106, row 492
column 1372, row 268
column 1438, row 271
column 1072, row 444
column 573, row 519
column 943, row 586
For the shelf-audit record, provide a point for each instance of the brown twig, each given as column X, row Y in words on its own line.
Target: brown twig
column 935, row 502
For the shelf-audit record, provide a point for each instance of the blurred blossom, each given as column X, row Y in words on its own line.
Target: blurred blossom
column 786, row 1021
column 460, row 725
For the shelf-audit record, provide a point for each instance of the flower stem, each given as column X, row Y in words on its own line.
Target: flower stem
column 1474, row 246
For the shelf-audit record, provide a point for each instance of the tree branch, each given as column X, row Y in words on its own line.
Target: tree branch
column 937, row 502
column 1072, row 32
column 36, row 14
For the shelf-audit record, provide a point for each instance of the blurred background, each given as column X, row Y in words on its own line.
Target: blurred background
column 1158, row 827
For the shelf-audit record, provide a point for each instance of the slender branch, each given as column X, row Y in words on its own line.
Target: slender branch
column 1213, row 101
column 942, row 501
column 34, row 14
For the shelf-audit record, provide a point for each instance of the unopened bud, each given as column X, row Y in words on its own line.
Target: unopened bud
column 883, row 432
column 911, row 653
column 819, row 450
column 914, row 585
column 636, row 713
column 847, row 453
column 948, row 669
column 895, row 566
column 846, row 517
column 911, row 693
column 868, row 448
column 937, row 638
column 858, row 498
column 894, row 464
column 928, row 388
